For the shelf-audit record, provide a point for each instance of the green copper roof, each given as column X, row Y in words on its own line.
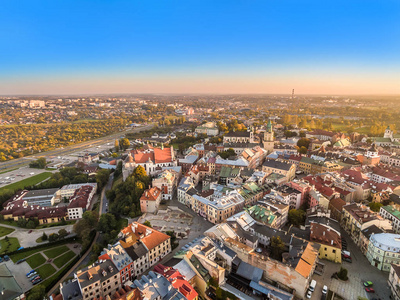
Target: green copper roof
column 269, row 126
column 392, row 211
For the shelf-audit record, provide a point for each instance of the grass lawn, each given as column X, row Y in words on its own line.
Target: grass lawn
column 9, row 246
column 46, row 271
column 36, row 260
column 63, row 259
column 5, row 230
column 27, row 182
column 16, row 257
column 54, row 252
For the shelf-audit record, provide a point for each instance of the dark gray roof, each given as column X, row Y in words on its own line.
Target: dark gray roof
column 240, row 145
column 192, row 192
column 277, row 164
column 107, row 265
column 325, row 221
column 249, row 272
column 71, row 290
column 373, row 229
column 238, row 134
column 136, row 251
column 40, row 193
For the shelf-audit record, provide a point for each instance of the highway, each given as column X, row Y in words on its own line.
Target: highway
column 24, row 161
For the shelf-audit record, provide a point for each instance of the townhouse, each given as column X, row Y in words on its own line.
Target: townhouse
column 122, row 261
column 98, row 280
column 157, row 243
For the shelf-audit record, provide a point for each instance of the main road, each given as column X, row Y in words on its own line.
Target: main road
column 20, row 162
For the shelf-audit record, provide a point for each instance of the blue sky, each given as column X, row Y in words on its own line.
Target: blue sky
column 199, row 46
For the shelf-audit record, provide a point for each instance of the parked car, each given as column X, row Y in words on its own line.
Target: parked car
column 37, row 281
column 368, row 283
column 29, row 273
column 309, row 294
column 369, row 290
column 1, row 260
column 20, row 248
column 35, row 277
column 20, row 261
column 6, row 258
column 347, row 259
column 32, row 274
column 30, row 231
column 324, row 289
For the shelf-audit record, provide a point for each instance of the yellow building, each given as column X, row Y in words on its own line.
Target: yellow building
column 330, row 241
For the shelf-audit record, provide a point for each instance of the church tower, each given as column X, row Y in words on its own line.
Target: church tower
column 388, row 133
column 269, row 137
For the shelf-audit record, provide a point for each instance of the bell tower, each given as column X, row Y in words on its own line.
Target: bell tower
column 269, row 137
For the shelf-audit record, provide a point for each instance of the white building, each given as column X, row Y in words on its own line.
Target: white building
column 384, row 250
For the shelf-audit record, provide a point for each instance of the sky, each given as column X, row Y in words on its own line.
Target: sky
column 205, row 46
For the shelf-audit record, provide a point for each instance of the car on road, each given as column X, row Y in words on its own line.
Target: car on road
column 347, row 259
column 368, row 283
column 309, row 294
column 369, row 290
column 30, row 231
column 324, row 289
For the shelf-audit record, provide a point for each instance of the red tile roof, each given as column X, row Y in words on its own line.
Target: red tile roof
column 151, row 194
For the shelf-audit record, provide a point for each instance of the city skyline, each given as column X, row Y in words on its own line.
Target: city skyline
column 100, row 47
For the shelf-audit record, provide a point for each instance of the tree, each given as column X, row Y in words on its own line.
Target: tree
column 40, row 163
column 124, row 143
column 62, row 233
column 297, row 217
column 91, row 217
column 277, row 247
column 303, row 142
column 375, row 206
column 53, row 237
column 116, row 144
column 37, row 293
column 107, row 223
column 148, row 224
column 44, row 236
column 227, row 153
column 302, row 150
column 31, row 224
column 342, row 274
column 102, row 177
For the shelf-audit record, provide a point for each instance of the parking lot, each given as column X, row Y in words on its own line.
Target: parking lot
column 18, row 175
column 19, row 271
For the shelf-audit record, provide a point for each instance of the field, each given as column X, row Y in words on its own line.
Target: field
column 36, row 260
column 54, row 252
column 48, row 261
column 46, row 271
column 63, row 259
column 7, row 246
column 27, row 182
column 4, row 231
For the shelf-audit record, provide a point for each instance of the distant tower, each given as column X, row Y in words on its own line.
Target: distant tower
column 292, row 94
column 388, row 133
column 269, row 137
